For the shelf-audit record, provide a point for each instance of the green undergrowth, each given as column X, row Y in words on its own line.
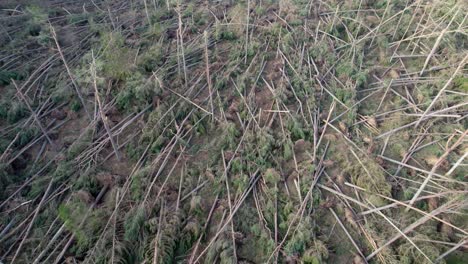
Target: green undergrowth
column 232, row 131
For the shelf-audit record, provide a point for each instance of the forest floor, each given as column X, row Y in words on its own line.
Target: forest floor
column 274, row 131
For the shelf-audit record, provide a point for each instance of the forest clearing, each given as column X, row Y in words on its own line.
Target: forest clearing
column 266, row 131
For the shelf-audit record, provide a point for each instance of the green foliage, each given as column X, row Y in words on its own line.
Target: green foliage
column 317, row 254
column 60, row 92
column 63, row 171
column 138, row 183
column 37, row 188
column 369, row 176
column 75, row 105
column 295, row 128
column 170, row 236
column 196, row 205
column 258, row 147
column 408, row 255
column 262, row 244
column 320, row 52
column 72, row 214
column 230, row 135
column 136, row 94
column 128, row 253
column 37, row 14
column 301, row 239
column 79, row 145
column 154, row 133
column 134, row 222
column 288, row 42
column 44, row 38
column 25, row 136
column 221, row 251
column 271, row 177
column 200, row 19
column 457, row 258
column 87, row 181
column 7, row 76
column 240, row 182
column 288, row 149
column 5, row 178
column 4, row 106
column 275, row 30
column 37, row 24
column 189, row 234
column 222, row 32
column 158, row 144
column 461, row 83
column 4, row 142
column 345, row 96
column 16, row 111
column 78, row 19
column 34, row 30
column 116, row 60
column 260, row 10
column 134, row 150
column 200, row 123
column 152, row 58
